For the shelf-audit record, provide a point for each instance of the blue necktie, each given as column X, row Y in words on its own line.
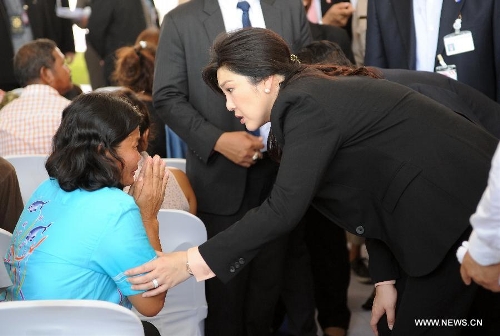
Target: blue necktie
column 244, row 6
column 245, row 18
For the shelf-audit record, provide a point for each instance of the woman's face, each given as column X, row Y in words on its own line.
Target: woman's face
column 127, row 150
column 252, row 103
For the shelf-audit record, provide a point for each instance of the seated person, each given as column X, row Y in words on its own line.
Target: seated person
column 11, row 202
column 179, row 193
column 79, row 231
column 28, row 123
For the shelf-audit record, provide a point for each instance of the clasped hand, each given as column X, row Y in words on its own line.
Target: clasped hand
column 149, row 188
column 239, row 147
column 384, row 303
column 486, row 276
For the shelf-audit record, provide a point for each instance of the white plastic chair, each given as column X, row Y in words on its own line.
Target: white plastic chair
column 30, row 170
column 5, row 239
column 68, row 317
column 185, row 307
column 176, row 162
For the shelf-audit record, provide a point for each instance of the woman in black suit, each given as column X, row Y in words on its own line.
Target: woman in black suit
column 376, row 158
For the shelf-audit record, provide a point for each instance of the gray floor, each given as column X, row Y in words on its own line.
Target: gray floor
column 360, row 319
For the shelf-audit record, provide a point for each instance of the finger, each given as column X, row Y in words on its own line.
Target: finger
column 391, row 317
column 156, row 291
column 145, row 268
column 465, row 278
column 376, row 315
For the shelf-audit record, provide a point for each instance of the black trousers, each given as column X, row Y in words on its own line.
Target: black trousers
column 245, row 305
column 443, row 298
column 331, row 270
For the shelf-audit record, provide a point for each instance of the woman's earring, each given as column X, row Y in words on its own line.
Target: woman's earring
column 267, row 90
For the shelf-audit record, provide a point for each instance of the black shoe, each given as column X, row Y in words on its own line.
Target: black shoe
column 369, row 302
column 360, row 270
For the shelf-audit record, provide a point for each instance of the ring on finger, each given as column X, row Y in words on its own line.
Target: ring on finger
column 255, row 156
column 155, row 283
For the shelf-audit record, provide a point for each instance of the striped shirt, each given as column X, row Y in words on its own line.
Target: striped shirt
column 28, row 123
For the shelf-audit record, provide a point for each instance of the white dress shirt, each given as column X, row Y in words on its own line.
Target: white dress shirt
column 484, row 242
column 426, row 15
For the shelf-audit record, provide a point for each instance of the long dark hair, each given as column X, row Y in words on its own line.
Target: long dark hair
column 84, row 146
column 258, row 53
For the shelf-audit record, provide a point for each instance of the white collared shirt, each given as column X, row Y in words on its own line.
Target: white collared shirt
column 232, row 14
column 426, row 16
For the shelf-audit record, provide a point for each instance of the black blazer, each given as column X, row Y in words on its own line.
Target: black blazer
column 390, row 165
column 44, row 24
column 391, row 41
column 196, row 113
column 461, row 98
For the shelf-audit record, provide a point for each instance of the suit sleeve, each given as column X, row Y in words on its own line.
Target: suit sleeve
column 171, row 92
column 99, row 20
column 375, row 55
column 67, row 42
column 311, row 142
column 496, row 45
column 383, row 266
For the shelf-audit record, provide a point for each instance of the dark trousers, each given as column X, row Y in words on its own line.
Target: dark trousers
column 331, row 270
column 245, row 305
column 297, row 294
column 442, row 295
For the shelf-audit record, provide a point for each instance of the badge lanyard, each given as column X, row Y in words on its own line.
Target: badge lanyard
column 455, row 43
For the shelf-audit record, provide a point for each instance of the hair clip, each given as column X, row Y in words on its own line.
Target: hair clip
column 294, row 58
column 143, row 44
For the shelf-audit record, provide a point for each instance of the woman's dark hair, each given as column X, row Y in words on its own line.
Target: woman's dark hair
column 140, row 107
column 258, row 53
column 323, row 52
column 134, row 67
column 84, row 147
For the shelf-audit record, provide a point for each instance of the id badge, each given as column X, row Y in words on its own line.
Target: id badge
column 458, row 43
column 448, row 71
column 16, row 24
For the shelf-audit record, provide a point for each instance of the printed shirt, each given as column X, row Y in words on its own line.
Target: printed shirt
column 76, row 245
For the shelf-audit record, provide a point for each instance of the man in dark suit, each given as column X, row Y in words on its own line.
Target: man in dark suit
column 391, row 40
column 43, row 23
column 226, row 181
column 114, row 24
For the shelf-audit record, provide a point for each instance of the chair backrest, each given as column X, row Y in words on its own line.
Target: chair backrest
column 176, row 162
column 30, row 170
column 68, row 317
column 185, row 305
column 5, row 239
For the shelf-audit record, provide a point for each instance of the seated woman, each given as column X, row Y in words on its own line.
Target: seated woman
column 79, row 231
column 179, row 193
column 134, row 69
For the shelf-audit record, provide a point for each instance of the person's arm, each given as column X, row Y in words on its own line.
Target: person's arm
column 98, row 22
column 481, row 262
column 186, row 187
column 310, row 137
column 123, row 245
column 338, row 14
column 374, row 47
column 11, row 202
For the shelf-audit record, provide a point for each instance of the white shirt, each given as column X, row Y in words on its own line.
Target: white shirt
column 484, row 242
column 426, row 16
column 232, row 21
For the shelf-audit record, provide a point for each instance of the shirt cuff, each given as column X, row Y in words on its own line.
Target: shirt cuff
column 482, row 253
column 387, row 282
column 198, row 266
